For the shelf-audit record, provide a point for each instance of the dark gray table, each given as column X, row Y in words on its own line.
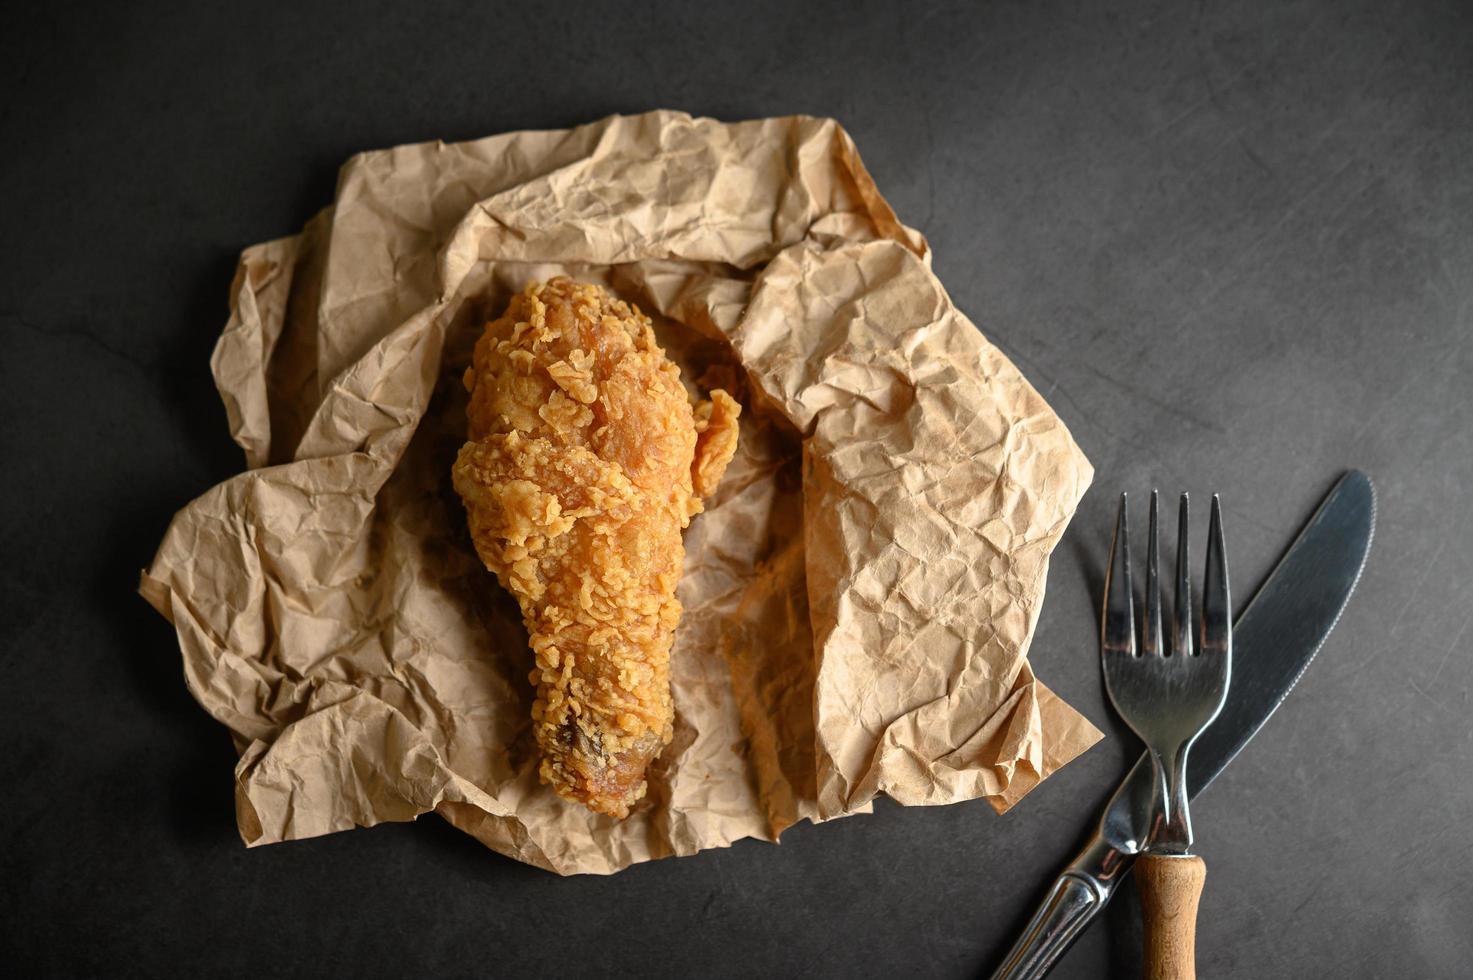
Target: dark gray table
column 1232, row 243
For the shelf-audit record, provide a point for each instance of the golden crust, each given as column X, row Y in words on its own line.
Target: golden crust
column 585, row 462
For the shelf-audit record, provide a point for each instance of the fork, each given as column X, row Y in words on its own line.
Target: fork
column 1168, row 693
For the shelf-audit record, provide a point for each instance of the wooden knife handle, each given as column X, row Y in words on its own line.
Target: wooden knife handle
column 1170, row 886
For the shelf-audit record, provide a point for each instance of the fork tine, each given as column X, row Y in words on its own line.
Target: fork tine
column 1181, row 618
column 1152, row 624
column 1216, row 600
column 1117, row 626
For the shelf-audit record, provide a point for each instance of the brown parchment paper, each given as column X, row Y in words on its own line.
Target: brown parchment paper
column 859, row 596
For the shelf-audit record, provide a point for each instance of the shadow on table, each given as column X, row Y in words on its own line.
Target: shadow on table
column 452, row 850
column 199, row 749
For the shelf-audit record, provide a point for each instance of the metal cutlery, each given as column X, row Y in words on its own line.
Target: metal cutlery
column 1274, row 639
column 1168, row 689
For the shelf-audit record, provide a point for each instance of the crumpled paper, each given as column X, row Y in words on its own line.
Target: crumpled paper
column 859, row 596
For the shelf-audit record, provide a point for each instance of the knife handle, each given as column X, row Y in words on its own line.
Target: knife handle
column 1170, row 886
column 1071, row 905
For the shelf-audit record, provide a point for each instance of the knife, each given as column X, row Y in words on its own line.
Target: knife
column 1274, row 640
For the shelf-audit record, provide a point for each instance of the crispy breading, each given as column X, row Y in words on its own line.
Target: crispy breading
column 585, row 461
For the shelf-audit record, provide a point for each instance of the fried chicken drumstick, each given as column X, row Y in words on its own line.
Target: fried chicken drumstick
column 586, row 459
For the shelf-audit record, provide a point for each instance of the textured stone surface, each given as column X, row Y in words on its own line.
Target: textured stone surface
column 1232, row 244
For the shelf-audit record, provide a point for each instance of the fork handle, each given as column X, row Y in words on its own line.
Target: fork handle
column 1170, row 886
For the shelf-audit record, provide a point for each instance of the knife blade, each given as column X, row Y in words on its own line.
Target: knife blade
column 1275, row 637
